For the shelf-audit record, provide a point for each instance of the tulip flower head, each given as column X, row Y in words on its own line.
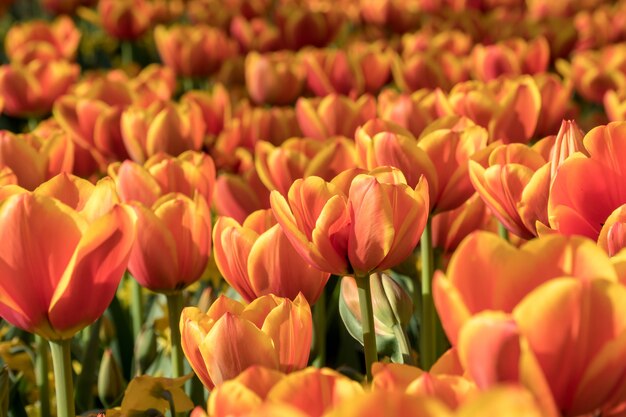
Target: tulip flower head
column 66, row 246
column 271, row 331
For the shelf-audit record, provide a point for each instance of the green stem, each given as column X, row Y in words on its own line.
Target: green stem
column 174, row 308
column 403, row 344
column 61, row 360
column 87, row 377
column 136, row 305
column 319, row 321
column 428, row 322
column 127, row 53
column 41, row 362
column 367, row 322
column 503, row 232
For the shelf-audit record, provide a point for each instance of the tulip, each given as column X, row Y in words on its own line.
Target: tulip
column 398, row 15
column 153, row 83
column 300, row 26
column 162, row 174
column 30, row 90
column 41, row 40
column 413, row 112
column 508, row 108
column 181, row 226
column 244, row 393
column 33, row 159
column 332, row 228
column 238, row 196
column 243, row 256
column 170, row 128
column 429, row 69
column 361, row 69
column 193, row 51
column 256, row 34
column 460, row 294
column 271, row 331
column 333, row 115
column 60, row 7
column 547, row 344
column 124, row 20
column 273, row 78
column 451, row 227
column 90, row 227
column 585, row 208
column 378, row 403
column 215, row 106
column 595, row 72
column 111, row 383
column 511, row 58
column 558, row 93
column 279, row 167
column 314, row 391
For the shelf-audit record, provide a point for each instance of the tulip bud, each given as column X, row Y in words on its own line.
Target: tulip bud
column 392, row 311
column 145, row 349
column 111, row 383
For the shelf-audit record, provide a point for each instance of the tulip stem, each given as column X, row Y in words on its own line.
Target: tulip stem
column 41, row 362
column 86, row 379
column 62, row 363
column 174, row 308
column 319, row 321
column 503, row 232
column 428, row 322
column 136, row 305
column 367, row 320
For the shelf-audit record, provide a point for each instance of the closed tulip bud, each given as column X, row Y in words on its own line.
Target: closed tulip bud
column 392, row 306
column 215, row 106
column 271, row 331
column 111, row 383
column 37, row 39
column 75, row 270
column 413, row 112
column 145, row 349
column 182, row 227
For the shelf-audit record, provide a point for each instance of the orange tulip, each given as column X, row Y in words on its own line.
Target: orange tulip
column 501, row 286
column 181, row 228
column 153, row 83
column 398, row 15
column 413, row 112
column 31, row 89
column 584, row 209
column 244, row 393
column 257, row 259
column 334, row 115
column 164, row 127
column 429, row 69
column 511, row 58
column 557, row 94
column 595, row 72
column 215, row 106
column 355, row 223
column 301, row 26
column 279, row 167
column 572, row 365
column 271, row 331
column 162, row 174
column 514, row 184
column 123, row 19
column 66, row 245
column 34, row 159
column 255, row 34
column 451, row 227
column 508, row 108
column 274, row 78
column 41, row 40
column 193, row 51
column 379, row 403
column 362, row 68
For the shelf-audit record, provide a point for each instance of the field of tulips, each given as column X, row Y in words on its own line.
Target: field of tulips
column 313, row 208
